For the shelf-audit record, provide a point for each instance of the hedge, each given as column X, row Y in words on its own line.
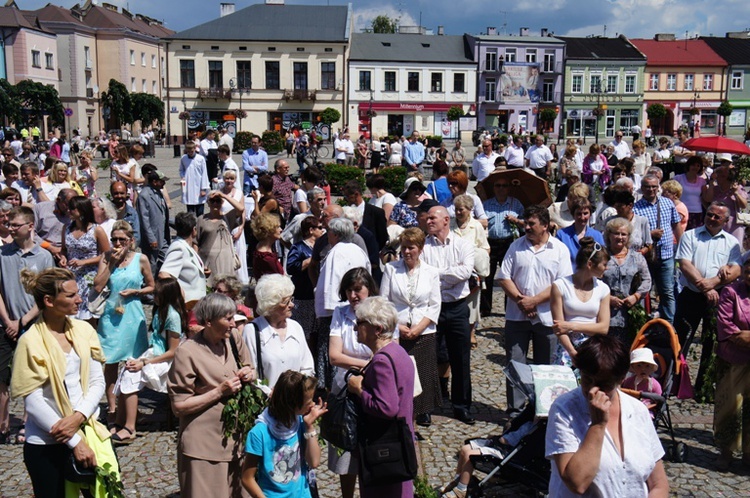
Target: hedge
column 242, row 141
column 395, row 176
column 273, row 143
column 338, row 174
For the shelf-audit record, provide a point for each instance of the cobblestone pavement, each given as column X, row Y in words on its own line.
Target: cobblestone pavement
column 149, row 464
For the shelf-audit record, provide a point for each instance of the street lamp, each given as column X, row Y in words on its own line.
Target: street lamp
column 598, row 110
column 693, row 112
column 369, row 114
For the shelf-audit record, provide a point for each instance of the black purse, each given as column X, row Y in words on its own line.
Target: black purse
column 386, row 448
column 75, row 473
column 338, row 426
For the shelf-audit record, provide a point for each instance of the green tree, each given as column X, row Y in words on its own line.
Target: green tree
column 117, row 100
column 455, row 112
column 330, row 116
column 147, row 108
column 10, row 104
column 383, row 24
column 656, row 111
column 38, row 100
column 724, row 110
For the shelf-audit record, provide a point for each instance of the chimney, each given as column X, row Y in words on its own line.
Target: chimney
column 524, row 32
column 545, row 32
column 225, row 9
column 664, row 37
column 491, row 30
column 441, row 30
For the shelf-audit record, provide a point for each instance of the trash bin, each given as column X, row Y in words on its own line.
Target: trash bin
column 177, row 151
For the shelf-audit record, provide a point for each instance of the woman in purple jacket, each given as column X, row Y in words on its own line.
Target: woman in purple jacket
column 384, row 393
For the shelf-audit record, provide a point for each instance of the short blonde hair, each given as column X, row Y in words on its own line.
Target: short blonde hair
column 580, row 190
column 270, row 290
column 53, row 171
column 672, row 187
column 264, row 225
column 464, row 201
column 618, row 223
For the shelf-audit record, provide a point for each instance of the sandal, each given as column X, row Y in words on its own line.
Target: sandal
column 121, row 441
column 21, row 435
column 4, row 437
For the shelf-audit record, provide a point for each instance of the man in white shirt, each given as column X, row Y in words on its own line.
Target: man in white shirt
column 635, row 132
column 484, row 163
column 622, row 149
column 226, row 139
column 344, row 149
column 454, row 258
column 539, row 158
column 514, row 154
column 530, row 266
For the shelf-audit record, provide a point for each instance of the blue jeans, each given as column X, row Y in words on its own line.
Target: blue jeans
column 662, row 272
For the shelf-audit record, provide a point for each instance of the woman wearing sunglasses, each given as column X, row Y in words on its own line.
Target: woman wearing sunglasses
column 580, row 302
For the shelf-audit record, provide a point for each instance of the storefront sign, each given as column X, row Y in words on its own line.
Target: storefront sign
column 597, row 98
column 406, row 107
column 737, row 118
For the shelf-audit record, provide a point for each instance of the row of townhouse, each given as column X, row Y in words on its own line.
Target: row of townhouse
column 78, row 51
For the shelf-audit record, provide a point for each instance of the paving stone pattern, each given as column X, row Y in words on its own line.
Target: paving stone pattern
column 150, row 470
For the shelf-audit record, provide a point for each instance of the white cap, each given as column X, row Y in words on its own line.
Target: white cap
column 724, row 156
column 642, row 355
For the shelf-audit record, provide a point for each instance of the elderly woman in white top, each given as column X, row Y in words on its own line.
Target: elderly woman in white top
column 413, row 287
column 346, row 352
column 282, row 343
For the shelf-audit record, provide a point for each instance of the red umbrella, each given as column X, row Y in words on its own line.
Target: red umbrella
column 717, row 144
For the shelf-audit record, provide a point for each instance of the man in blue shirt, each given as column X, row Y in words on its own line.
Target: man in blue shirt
column 254, row 161
column 502, row 212
column 414, row 153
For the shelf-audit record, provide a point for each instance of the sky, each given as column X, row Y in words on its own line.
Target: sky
column 634, row 18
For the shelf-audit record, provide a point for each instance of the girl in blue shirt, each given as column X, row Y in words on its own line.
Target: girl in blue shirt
column 283, row 433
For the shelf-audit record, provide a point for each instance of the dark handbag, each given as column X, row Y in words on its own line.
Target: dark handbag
column 338, row 426
column 386, row 448
column 653, row 254
column 73, row 472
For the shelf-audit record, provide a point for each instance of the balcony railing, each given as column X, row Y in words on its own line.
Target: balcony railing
column 215, row 93
column 300, row 95
column 550, row 97
column 496, row 67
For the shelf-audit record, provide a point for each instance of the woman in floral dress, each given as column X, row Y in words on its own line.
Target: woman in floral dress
column 83, row 244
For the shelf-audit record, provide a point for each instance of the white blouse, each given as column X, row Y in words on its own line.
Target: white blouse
column 344, row 325
column 415, row 296
column 278, row 356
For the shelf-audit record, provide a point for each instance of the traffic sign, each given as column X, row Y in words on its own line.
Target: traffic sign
column 68, row 111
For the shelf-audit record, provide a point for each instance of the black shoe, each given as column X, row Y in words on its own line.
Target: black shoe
column 424, row 420
column 464, row 416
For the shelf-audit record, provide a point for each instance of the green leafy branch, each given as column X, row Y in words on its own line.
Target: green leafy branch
column 110, row 480
column 241, row 410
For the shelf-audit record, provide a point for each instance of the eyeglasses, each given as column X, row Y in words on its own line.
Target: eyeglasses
column 362, row 322
column 597, row 248
column 119, row 239
column 714, row 216
column 287, row 302
column 16, row 226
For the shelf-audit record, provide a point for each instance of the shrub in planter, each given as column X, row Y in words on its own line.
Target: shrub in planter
column 272, row 142
column 242, row 141
column 338, row 174
column 434, row 140
column 395, row 176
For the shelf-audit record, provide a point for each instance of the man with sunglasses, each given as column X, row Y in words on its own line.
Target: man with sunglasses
column 503, row 211
column 17, row 308
column 710, row 258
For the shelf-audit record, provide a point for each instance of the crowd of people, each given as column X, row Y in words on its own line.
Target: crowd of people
column 272, row 280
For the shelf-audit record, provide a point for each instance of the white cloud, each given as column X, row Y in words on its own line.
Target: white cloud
column 363, row 17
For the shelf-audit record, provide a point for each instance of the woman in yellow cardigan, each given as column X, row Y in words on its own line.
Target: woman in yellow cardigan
column 57, row 369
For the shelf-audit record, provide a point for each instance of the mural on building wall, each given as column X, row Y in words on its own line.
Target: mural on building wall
column 519, row 83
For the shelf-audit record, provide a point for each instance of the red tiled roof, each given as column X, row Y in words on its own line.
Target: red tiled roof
column 678, row 53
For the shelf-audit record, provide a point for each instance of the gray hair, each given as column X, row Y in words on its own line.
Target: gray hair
column 618, row 223
column 378, row 312
column 5, row 205
column 353, row 214
column 342, row 228
column 109, row 209
column 214, row 306
column 464, row 201
column 655, row 171
column 313, row 193
column 270, row 290
column 650, row 177
column 625, row 182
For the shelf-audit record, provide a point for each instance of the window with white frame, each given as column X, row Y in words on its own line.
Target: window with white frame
column 510, row 55
column 153, row 62
column 689, row 82
column 36, row 58
column 154, row 88
column 653, row 81
column 629, row 83
column 459, row 82
column 611, row 83
column 132, row 57
column 365, row 81
column 489, row 89
column 390, row 81
column 143, row 85
column 708, row 81
column 132, row 85
column 595, row 83
column 436, row 82
column 530, row 55
column 490, row 60
column 49, row 61
column 737, row 77
column 412, row 82
column 143, row 59
column 576, row 83
column 548, row 91
column 671, row 82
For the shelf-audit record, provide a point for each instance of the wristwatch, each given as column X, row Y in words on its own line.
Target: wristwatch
column 39, row 189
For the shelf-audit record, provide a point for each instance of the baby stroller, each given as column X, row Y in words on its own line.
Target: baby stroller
column 524, row 462
column 660, row 336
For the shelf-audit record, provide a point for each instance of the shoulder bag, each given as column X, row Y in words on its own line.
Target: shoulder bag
column 338, row 425
column 97, row 301
column 386, row 448
column 652, row 255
